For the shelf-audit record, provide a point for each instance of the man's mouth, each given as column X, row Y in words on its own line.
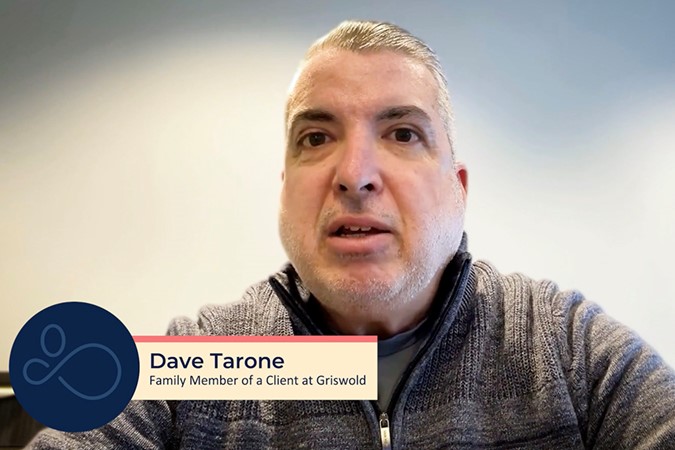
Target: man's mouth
column 356, row 231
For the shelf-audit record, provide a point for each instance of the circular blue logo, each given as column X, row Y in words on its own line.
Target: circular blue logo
column 74, row 366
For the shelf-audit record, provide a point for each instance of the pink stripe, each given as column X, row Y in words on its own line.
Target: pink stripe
column 255, row 338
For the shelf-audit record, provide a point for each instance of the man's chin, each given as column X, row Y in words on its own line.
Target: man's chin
column 358, row 291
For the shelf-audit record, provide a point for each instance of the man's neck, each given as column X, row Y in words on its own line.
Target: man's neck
column 388, row 320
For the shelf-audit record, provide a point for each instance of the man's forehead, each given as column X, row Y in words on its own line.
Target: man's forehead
column 376, row 79
column 381, row 115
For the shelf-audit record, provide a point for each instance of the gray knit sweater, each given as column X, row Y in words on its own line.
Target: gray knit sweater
column 511, row 363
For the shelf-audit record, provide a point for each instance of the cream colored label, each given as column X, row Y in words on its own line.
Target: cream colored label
column 257, row 371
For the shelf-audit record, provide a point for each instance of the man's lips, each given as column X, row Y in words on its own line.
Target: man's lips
column 355, row 225
column 359, row 236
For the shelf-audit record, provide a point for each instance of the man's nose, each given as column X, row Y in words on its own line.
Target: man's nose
column 357, row 172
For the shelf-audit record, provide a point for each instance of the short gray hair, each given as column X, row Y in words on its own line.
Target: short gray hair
column 367, row 36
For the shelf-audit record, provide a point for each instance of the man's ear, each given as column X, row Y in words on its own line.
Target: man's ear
column 463, row 177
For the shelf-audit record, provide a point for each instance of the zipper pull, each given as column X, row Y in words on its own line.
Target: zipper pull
column 384, row 432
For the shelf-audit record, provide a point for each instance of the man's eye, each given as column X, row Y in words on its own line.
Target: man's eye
column 405, row 135
column 314, row 139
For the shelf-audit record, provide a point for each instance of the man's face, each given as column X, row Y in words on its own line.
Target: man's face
column 372, row 204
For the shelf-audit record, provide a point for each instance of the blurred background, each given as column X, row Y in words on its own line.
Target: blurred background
column 141, row 145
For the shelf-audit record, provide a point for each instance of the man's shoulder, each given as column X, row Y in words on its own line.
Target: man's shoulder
column 258, row 312
column 520, row 290
column 490, row 277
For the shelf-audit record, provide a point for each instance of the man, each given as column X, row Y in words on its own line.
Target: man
column 372, row 212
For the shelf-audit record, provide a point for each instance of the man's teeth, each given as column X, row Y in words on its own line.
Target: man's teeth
column 355, row 229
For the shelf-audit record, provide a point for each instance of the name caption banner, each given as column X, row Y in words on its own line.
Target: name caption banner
column 257, row 368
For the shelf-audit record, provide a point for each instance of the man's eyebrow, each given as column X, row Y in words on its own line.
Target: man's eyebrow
column 310, row 115
column 399, row 112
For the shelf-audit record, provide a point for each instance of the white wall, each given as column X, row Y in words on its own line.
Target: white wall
column 141, row 147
